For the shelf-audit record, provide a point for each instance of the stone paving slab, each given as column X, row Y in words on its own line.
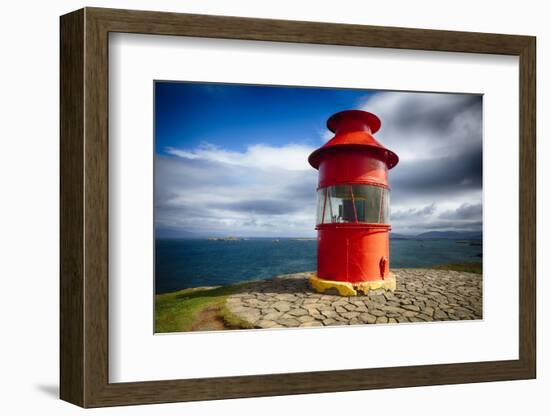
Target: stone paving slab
column 422, row 295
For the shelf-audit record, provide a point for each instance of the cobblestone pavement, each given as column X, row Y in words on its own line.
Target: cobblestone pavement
column 422, row 295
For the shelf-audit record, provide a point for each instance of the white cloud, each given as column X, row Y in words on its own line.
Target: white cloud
column 262, row 191
column 260, row 156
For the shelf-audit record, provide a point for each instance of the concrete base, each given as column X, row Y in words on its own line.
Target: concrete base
column 352, row 289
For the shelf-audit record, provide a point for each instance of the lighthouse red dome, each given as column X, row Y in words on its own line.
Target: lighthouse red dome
column 354, row 129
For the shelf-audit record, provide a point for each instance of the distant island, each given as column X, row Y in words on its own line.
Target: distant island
column 230, row 238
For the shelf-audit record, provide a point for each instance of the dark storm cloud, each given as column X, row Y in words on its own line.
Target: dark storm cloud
column 435, row 118
column 438, row 138
column 464, row 212
column 270, row 207
column 414, row 221
column 419, row 126
column 435, row 178
column 304, row 185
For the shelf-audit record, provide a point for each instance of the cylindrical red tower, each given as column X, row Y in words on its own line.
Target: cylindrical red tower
column 353, row 206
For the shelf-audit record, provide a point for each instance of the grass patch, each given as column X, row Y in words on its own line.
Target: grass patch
column 470, row 267
column 176, row 311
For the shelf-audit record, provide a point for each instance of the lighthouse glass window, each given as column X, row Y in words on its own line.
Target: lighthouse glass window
column 353, row 203
column 272, row 207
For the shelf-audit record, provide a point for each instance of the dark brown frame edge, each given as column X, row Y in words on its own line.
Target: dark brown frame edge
column 84, row 207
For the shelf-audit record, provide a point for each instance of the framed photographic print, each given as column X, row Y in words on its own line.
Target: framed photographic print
column 334, row 207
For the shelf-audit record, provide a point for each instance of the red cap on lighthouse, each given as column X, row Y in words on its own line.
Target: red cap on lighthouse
column 354, row 128
column 353, row 206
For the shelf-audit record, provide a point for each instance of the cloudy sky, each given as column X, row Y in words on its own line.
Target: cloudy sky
column 232, row 159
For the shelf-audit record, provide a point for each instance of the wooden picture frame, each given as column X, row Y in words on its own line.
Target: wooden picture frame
column 84, row 207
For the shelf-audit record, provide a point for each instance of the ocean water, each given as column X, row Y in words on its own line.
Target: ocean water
column 184, row 263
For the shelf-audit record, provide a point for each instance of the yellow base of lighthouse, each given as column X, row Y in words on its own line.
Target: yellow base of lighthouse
column 350, row 289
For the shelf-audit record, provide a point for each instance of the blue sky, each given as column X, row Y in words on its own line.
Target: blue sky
column 231, row 159
column 235, row 116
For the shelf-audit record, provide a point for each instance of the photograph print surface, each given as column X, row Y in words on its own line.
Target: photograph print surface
column 285, row 206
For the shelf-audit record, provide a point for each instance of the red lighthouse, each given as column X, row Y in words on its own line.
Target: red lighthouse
column 353, row 206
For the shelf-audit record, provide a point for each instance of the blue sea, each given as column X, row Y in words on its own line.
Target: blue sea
column 184, row 263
